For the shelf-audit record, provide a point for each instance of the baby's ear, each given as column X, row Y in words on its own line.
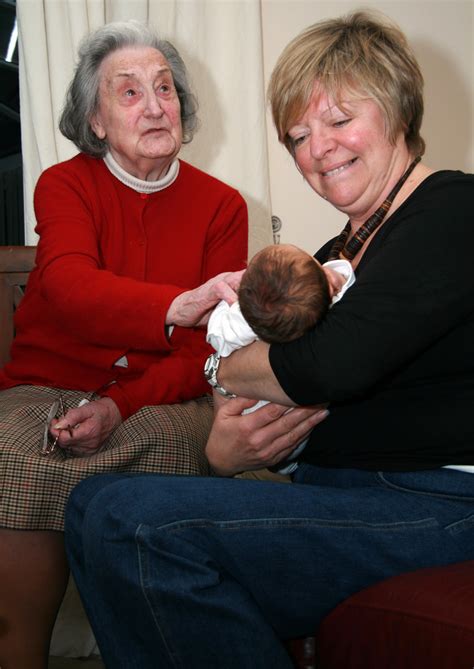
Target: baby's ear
column 332, row 290
column 334, row 283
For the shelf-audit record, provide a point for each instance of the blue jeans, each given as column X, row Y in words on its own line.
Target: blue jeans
column 212, row 573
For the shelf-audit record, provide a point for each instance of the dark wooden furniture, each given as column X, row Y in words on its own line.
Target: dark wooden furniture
column 16, row 262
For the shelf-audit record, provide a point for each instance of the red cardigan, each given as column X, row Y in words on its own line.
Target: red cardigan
column 110, row 261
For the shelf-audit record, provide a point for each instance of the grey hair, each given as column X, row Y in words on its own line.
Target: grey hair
column 82, row 97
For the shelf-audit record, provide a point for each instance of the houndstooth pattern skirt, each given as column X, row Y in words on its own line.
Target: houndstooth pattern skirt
column 34, row 488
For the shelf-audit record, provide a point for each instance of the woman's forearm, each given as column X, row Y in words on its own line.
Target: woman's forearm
column 247, row 373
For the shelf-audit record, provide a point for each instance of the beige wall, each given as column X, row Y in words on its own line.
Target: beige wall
column 441, row 33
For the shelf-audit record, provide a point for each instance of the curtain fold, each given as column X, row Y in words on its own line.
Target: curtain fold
column 221, row 44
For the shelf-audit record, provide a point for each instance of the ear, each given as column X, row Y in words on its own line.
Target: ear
column 333, row 282
column 97, row 126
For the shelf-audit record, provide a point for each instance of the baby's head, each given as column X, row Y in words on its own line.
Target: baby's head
column 283, row 293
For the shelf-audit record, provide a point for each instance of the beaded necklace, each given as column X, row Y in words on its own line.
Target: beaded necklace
column 361, row 235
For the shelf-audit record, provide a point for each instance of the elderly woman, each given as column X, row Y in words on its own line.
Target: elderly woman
column 212, row 573
column 131, row 239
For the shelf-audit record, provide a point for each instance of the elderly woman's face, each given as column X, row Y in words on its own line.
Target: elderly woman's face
column 345, row 153
column 139, row 111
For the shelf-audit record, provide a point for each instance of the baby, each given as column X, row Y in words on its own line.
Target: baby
column 284, row 293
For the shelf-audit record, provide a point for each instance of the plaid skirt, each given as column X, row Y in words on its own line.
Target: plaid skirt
column 34, row 488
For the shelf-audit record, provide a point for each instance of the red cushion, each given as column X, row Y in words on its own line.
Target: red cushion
column 416, row 620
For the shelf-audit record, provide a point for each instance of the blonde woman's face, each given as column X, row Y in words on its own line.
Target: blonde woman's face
column 344, row 152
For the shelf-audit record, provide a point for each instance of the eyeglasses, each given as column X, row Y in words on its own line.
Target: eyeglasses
column 48, row 443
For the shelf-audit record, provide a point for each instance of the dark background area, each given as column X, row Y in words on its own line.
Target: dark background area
column 11, row 175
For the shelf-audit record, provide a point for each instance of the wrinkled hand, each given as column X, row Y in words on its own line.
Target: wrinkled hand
column 90, row 425
column 259, row 439
column 193, row 308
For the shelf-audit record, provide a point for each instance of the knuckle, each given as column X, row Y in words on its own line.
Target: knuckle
column 291, row 437
column 253, row 443
column 249, row 434
column 274, row 411
column 261, row 455
column 288, row 421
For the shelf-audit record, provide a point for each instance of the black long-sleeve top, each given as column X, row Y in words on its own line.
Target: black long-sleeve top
column 395, row 357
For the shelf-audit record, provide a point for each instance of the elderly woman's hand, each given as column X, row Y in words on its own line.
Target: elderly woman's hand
column 91, row 424
column 194, row 307
column 258, row 439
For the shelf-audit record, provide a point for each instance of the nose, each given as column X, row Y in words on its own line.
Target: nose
column 153, row 106
column 321, row 143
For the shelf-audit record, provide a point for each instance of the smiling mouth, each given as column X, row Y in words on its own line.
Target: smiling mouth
column 338, row 170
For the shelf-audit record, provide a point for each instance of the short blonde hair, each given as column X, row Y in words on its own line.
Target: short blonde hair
column 363, row 54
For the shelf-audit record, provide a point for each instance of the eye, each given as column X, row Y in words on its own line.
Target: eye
column 297, row 141
column 166, row 89
column 341, row 123
column 129, row 93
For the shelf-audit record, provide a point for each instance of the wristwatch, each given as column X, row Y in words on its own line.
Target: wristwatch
column 210, row 372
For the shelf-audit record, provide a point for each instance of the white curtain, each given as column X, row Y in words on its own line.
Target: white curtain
column 221, row 44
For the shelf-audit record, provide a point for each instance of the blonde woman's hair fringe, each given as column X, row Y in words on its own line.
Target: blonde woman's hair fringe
column 360, row 55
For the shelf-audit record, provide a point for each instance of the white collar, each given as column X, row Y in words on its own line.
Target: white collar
column 138, row 184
